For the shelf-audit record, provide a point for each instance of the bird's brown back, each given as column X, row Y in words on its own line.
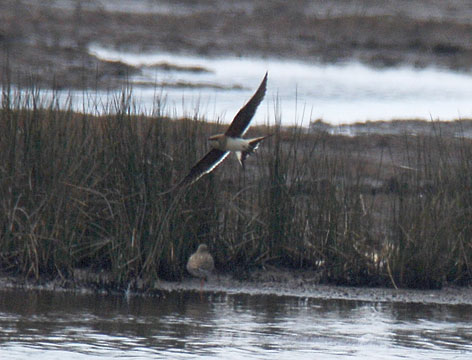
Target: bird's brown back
column 200, row 264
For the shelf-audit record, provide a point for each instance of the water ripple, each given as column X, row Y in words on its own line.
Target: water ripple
column 183, row 325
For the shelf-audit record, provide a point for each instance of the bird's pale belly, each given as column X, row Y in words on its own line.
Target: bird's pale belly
column 236, row 144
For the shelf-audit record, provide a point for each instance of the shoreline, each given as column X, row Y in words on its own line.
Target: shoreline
column 275, row 282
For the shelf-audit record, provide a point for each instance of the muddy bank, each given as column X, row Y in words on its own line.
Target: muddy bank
column 46, row 43
column 277, row 282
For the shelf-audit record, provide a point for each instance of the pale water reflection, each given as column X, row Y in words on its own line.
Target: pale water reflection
column 298, row 91
column 48, row 325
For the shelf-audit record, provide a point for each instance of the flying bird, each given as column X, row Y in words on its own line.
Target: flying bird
column 231, row 140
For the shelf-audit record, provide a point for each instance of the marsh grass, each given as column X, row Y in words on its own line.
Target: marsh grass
column 82, row 191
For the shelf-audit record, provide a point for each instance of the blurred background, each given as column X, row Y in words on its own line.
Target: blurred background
column 336, row 61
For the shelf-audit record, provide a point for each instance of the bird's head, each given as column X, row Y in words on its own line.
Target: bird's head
column 202, row 248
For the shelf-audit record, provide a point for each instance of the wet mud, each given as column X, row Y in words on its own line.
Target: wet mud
column 277, row 282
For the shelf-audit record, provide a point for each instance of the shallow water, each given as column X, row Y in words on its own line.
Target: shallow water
column 49, row 325
column 298, row 91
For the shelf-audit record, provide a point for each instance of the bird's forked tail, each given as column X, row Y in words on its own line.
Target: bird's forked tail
column 253, row 145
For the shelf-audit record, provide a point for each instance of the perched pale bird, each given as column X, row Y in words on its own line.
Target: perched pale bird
column 201, row 264
column 231, row 140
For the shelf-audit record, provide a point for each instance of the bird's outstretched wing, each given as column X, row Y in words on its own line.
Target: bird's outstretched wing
column 237, row 128
column 241, row 121
column 209, row 162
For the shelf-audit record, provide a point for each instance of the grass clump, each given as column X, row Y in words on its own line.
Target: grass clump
column 83, row 191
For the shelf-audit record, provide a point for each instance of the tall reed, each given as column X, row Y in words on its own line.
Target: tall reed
column 83, row 191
